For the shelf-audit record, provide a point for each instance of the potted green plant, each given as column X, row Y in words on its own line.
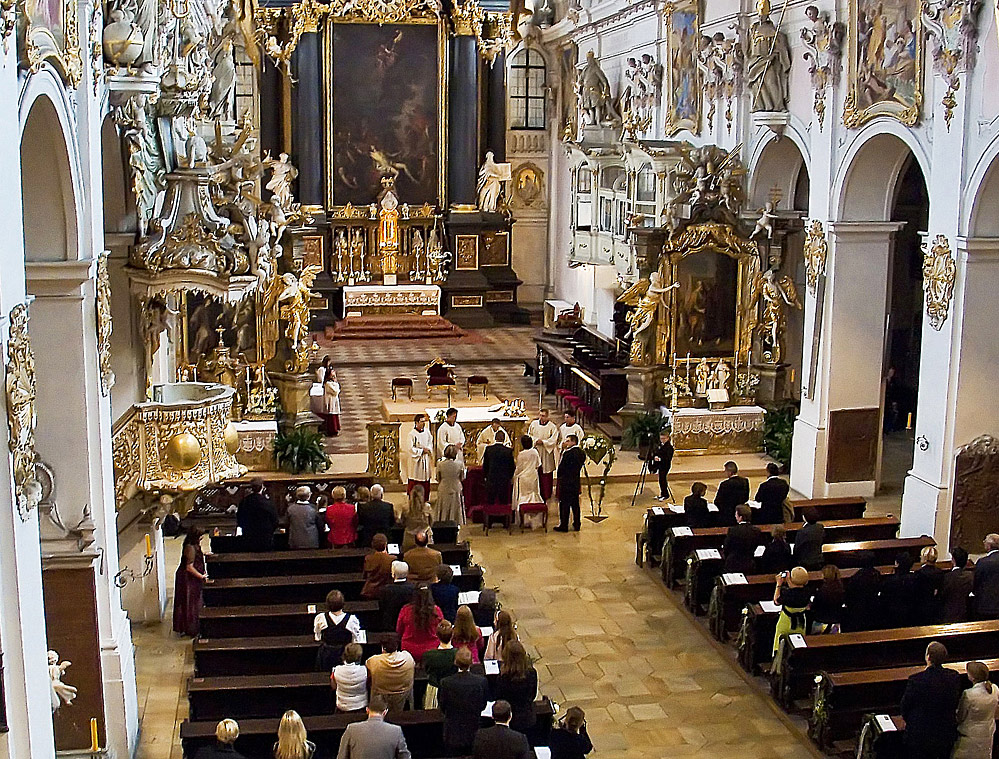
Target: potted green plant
column 778, row 429
column 643, row 431
column 300, row 450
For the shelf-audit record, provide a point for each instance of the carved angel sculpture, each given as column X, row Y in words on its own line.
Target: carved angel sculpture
column 293, row 301
column 776, row 295
column 61, row 692
column 649, row 328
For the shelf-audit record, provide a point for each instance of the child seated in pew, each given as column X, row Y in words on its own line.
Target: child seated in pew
column 350, row 680
column 334, row 629
column 695, row 507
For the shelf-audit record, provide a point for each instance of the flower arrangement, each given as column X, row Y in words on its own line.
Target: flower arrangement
column 440, row 416
column 600, row 451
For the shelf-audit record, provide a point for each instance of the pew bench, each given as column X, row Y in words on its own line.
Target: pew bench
column 247, row 591
column 704, row 567
column 801, row 658
column 311, row 561
column 423, row 729
column 266, row 654
column 225, row 540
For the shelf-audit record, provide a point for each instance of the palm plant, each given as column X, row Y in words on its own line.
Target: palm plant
column 300, row 450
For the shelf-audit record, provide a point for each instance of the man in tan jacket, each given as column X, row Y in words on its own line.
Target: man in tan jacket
column 423, row 560
column 392, row 672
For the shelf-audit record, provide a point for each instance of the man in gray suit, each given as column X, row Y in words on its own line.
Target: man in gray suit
column 374, row 738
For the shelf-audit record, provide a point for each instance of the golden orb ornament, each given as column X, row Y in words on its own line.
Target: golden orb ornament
column 183, row 451
column 231, row 437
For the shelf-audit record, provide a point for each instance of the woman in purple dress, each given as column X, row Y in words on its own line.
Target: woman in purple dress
column 190, row 579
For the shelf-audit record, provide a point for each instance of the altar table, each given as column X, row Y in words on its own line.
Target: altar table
column 737, row 429
column 474, row 419
column 360, row 300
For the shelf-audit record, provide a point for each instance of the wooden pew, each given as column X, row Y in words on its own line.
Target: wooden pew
column 423, row 730
column 842, row 699
column 265, row 655
column 310, row 561
column 225, row 540
column 247, row 591
column 754, row 645
column 681, row 541
column 259, row 696
column 729, row 599
column 661, row 518
column 796, row 665
column 703, row 570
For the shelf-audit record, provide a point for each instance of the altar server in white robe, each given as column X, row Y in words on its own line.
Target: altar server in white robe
column 568, row 427
column 544, row 433
column 488, row 436
column 450, row 433
column 421, row 450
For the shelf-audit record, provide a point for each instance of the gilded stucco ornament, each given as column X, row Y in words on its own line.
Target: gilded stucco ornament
column 53, row 39
column 104, row 324
column 290, row 295
column 824, row 52
column 939, row 274
column 720, row 61
column 952, row 28
column 20, row 386
column 816, row 250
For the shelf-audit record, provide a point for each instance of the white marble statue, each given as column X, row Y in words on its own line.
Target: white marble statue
column 490, row 185
column 721, row 377
column 764, row 224
column 61, row 692
column 282, row 175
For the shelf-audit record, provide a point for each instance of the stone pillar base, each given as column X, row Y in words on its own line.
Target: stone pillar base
column 773, row 383
column 293, row 394
column 642, row 392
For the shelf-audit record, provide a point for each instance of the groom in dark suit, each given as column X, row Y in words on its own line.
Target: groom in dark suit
column 497, row 469
column 569, row 468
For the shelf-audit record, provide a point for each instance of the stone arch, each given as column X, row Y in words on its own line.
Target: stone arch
column 982, row 200
column 870, row 172
column 776, row 162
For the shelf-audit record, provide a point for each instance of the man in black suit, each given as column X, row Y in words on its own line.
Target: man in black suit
column 461, row 698
column 661, row 462
column 771, row 494
column 569, row 468
column 395, row 595
column 499, row 741
column 955, row 589
column 929, row 707
column 741, row 542
column 257, row 518
column 808, row 542
column 373, row 517
column 732, row 491
column 986, row 585
column 497, row 470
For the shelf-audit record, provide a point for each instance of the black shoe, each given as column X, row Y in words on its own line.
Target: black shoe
column 575, row 527
column 560, row 528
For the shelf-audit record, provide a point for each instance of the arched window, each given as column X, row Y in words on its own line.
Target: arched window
column 584, row 189
column 527, row 90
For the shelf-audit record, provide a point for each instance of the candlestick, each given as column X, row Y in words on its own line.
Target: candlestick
column 792, row 376
column 93, row 734
column 688, row 370
column 149, row 545
column 908, row 424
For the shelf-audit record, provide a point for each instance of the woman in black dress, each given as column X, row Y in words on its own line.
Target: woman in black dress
column 518, row 684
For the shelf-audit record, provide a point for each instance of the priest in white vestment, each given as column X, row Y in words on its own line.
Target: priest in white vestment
column 544, row 433
column 488, row 436
column 450, row 433
column 421, row 450
column 568, row 427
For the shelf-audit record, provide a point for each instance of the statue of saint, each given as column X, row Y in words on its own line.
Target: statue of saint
column 722, row 376
column 490, row 185
column 595, row 97
column 282, row 175
column 776, row 295
column 767, row 70
column 649, row 320
column 702, row 376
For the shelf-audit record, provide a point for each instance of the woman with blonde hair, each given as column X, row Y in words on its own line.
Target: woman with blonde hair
column 226, row 733
column 293, row 742
column 792, row 595
column 450, row 472
column 466, row 633
column 504, row 632
column 976, row 715
column 415, row 518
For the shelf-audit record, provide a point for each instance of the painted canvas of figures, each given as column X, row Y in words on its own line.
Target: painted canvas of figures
column 706, row 304
column 886, row 53
column 684, row 91
column 386, row 91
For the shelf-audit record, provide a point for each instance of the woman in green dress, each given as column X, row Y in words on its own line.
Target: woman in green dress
column 792, row 595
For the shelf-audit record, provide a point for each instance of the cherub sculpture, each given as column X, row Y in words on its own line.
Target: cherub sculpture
column 61, row 692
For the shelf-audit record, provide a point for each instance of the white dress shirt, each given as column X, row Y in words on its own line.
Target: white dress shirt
column 353, row 624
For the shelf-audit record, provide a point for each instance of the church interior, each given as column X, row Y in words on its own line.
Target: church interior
column 637, row 352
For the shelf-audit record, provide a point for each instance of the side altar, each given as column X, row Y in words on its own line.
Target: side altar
column 385, row 299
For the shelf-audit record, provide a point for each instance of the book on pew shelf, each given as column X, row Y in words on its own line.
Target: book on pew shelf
column 769, row 607
column 468, row 597
column 707, row 553
column 885, row 723
column 734, row 578
column 488, row 711
column 677, row 508
column 486, row 631
column 658, row 511
column 758, row 552
column 543, row 752
column 362, row 636
column 797, row 640
column 312, row 609
column 712, row 507
column 491, row 666
column 455, row 569
column 682, row 532
column 754, row 504
column 393, row 548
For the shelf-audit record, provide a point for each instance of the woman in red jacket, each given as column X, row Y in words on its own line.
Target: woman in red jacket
column 342, row 520
column 417, row 625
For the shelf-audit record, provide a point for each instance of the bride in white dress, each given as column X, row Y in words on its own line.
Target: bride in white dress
column 526, row 488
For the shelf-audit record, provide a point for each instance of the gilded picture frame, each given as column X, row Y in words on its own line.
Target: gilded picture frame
column 52, row 33
column 396, row 25
column 885, row 69
column 682, row 88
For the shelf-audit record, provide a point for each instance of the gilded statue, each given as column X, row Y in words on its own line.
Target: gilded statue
column 293, row 302
column 939, row 275
column 648, row 320
column 20, row 386
column 769, row 62
column 595, row 99
column 776, row 295
column 702, row 376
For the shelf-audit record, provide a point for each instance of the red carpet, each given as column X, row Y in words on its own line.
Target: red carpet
column 393, row 327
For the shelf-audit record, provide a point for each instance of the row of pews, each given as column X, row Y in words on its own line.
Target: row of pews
column 255, row 657
column 848, row 685
column 587, row 364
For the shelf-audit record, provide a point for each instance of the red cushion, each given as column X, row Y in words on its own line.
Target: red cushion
column 562, row 392
column 440, row 381
column 496, row 509
column 533, row 508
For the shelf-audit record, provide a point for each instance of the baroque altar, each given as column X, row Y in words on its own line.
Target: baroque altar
column 386, row 299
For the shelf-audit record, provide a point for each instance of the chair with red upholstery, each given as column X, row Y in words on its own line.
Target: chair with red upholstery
column 586, row 412
column 402, row 383
column 477, row 380
column 534, row 508
column 500, row 511
column 560, row 396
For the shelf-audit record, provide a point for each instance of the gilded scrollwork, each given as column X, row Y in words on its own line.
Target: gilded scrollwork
column 939, row 275
column 383, row 450
column 952, row 26
column 816, row 250
column 104, row 324
column 20, row 386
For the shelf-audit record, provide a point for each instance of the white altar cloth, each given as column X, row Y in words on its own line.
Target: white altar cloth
column 407, row 298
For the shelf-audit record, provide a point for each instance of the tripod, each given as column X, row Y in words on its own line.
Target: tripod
column 640, row 486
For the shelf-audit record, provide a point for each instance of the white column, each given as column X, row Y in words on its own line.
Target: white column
column 956, row 400
column 848, row 370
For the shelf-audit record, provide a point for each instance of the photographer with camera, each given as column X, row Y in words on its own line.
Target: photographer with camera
column 569, row 740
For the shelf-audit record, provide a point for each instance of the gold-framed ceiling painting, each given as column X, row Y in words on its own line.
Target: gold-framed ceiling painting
column 885, row 62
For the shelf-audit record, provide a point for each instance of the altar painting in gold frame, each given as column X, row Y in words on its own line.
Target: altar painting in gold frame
column 385, row 87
